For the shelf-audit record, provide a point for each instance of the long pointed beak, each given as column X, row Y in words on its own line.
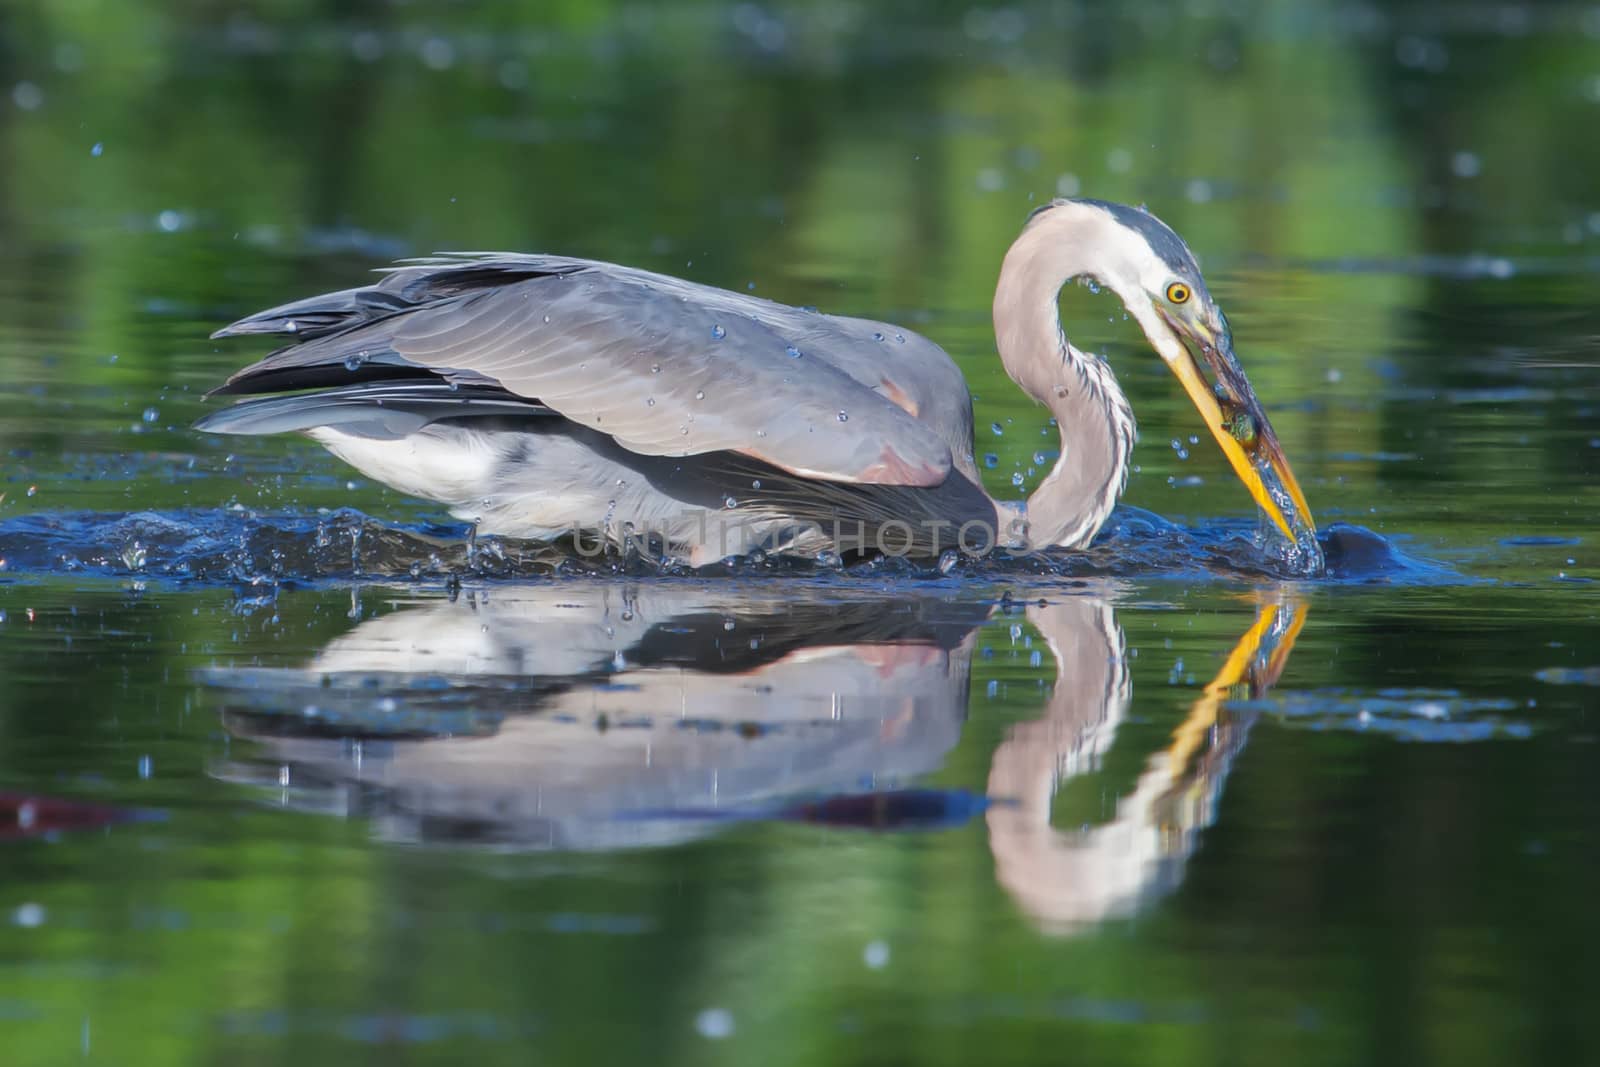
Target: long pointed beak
column 1234, row 416
column 1272, row 635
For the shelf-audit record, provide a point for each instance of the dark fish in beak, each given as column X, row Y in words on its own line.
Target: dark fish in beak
column 1234, row 416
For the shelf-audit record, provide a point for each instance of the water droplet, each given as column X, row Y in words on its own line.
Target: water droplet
column 792, row 352
column 700, row 394
column 900, row 337
column 437, row 53
column 730, row 502
column 994, row 428
column 354, row 361
column 684, row 430
column 547, row 320
column 843, row 417
column 97, row 149
column 151, row 415
column 876, row 336
column 718, row 333
column 756, row 484
column 366, row 46
column 1016, row 478
column 33, row 490
column 655, row 368
column 991, row 460
column 650, row 402
column 761, row 433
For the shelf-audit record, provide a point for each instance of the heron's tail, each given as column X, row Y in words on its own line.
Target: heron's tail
column 380, row 410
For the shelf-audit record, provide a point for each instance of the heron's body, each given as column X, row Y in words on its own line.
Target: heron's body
column 542, row 396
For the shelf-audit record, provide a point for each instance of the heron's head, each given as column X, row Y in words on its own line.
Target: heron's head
column 1144, row 262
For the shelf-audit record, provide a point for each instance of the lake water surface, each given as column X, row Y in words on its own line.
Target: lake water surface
column 288, row 773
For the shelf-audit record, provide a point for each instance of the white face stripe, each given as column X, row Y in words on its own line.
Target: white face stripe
column 1134, row 271
column 1124, row 258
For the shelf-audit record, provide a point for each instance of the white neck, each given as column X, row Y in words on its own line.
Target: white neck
column 1093, row 418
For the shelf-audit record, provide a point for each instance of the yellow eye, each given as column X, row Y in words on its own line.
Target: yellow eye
column 1177, row 292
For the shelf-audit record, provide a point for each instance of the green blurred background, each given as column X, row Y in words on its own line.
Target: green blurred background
column 1370, row 188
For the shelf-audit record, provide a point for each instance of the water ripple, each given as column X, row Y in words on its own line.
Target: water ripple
column 238, row 546
column 1428, row 715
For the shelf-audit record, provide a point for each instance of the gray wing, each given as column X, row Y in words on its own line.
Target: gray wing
column 664, row 366
column 381, row 409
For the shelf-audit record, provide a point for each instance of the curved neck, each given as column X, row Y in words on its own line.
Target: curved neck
column 1092, row 414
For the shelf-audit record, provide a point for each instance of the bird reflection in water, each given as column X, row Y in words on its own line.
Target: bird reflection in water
column 595, row 716
column 1070, row 878
column 599, row 716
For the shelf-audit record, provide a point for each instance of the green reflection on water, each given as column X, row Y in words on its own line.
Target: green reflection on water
column 1350, row 884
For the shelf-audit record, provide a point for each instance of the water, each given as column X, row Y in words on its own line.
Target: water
column 293, row 769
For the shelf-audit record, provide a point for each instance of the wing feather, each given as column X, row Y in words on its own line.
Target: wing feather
column 664, row 366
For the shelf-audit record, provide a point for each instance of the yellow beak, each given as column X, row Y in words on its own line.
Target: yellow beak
column 1244, row 434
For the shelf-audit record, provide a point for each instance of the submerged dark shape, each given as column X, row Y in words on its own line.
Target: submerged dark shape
column 1355, row 549
column 884, row 811
column 540, row 396
column 36, row 815
column 1357, row 554
column 892, row 810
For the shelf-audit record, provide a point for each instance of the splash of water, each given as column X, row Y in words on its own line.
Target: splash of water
column 236, row 546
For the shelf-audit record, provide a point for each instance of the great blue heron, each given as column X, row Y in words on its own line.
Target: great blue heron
column 538, row 396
